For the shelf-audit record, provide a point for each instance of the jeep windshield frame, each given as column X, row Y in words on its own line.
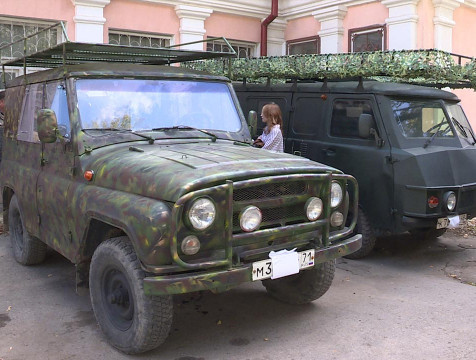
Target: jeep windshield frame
column 157, row 107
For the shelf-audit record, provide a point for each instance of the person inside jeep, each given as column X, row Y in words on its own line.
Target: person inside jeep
column 272, row 137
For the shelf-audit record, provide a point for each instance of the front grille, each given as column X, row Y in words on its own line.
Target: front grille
column 278, row 213
column 467, row 200
column 267, row 191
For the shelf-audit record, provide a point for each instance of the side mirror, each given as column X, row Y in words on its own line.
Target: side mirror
column 366, row 122
column 47, row 126
column 253, row 123
column 368, row 128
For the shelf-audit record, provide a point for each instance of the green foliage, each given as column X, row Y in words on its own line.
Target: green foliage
column 419, row 67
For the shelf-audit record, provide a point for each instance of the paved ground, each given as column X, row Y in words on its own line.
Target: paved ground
column 409, row 299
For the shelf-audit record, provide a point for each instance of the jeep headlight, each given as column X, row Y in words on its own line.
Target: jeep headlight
column 336, row 194
column 313, row 208
column 202, row 213
column 450, row 201
column 250, row 218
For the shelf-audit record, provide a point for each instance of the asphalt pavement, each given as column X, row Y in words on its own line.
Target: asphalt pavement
column 410, row 298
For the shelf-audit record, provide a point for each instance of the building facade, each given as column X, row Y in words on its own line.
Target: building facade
column 301, row 26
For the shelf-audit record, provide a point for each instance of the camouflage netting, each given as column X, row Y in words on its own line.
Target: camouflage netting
column 419, row 67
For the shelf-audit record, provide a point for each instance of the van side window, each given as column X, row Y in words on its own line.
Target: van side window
column 27, row 130
column 307, row 115
column 56, row 100
column 345, row 116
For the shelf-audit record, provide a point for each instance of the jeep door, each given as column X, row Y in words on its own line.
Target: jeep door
column 54, row 181
column 332, row 125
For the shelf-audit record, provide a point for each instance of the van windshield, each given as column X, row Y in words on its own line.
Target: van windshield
column 421, row 118
column 460, row 122
column 142, row 105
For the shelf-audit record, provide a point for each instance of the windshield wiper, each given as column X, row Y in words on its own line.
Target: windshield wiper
column 462, row 128
column 148, row 138
column 184, row 127
column 437, row 128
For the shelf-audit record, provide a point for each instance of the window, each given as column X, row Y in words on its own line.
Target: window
column 345, row 117
column 128, row 38
column 307, row 115
column 243, row 49
column 370, row 38
column 56, row 100
column 421, row 118
column 27, row 130
column 308, row 45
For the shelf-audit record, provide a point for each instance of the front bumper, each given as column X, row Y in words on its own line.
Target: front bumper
column 224, row 279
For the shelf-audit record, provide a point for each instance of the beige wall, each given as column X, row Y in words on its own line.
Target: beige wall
column 425, row 35
column 301, row 28
column 233, row 27
column 144, row 16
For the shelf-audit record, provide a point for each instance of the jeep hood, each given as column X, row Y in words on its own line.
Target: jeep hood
column 167, row 172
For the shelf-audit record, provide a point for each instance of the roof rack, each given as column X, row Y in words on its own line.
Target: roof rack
column 423, row 67
column 42, row 49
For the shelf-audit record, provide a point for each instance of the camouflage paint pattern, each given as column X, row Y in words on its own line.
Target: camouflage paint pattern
column 47, row 126
column 144, row 190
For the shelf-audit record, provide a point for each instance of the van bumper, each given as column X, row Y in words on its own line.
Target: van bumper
column 227, row 279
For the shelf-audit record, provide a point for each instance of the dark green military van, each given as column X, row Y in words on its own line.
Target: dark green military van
column 411, row 148
column 144, row 177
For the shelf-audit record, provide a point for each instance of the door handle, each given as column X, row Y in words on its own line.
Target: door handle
column 329, row 152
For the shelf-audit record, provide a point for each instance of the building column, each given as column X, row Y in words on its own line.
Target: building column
column 192, row 25
column 402, row 24
column 89, row 20
column 444, row 23
column 276, row 39
column 332, row 28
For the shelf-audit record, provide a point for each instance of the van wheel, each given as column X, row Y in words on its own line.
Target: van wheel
column 368, row 237
column 27, row 249
column 304, row 287
column 427, row 233
column 132, row 321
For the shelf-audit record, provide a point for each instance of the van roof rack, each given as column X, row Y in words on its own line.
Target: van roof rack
column 422, row 67
column 50, row 47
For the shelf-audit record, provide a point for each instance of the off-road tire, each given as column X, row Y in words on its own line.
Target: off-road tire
column 141, row 323
column 27, row 249
column 304, row 287
column 368, row 237
column 428, row 233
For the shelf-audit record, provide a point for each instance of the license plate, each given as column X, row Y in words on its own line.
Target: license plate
column 264, row 269
column 442, row 223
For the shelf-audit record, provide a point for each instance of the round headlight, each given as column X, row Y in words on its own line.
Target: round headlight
column 250, row 218
column 337, row 219
column 336, row 194
column 313, row 208
column 202, row 213
column 190, row 245
column 451, row 201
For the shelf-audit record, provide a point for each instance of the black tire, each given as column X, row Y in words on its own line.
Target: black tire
column 427, row 233
column 304, row 287
column 27, row 249
column 131, row 321
column 368, row 237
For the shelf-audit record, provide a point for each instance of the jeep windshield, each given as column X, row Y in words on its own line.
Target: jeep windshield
column 142, row 106
column 421, row 118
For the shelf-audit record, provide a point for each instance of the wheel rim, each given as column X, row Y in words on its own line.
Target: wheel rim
column 17, row 229
column 117, row 299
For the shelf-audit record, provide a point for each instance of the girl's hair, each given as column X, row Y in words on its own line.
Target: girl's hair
column 273, row 112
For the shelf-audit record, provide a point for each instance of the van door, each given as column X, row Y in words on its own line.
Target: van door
column 54, row 182
column 256, row 100
column 337, row 143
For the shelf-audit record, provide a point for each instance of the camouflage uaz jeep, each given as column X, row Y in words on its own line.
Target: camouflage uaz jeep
column 143, row 176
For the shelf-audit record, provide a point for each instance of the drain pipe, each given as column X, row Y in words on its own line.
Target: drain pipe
column 264, row 27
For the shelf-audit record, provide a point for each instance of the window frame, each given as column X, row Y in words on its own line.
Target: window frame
column 316, row 38
column 366, row 30
column 145, row 34
column 238, row 43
